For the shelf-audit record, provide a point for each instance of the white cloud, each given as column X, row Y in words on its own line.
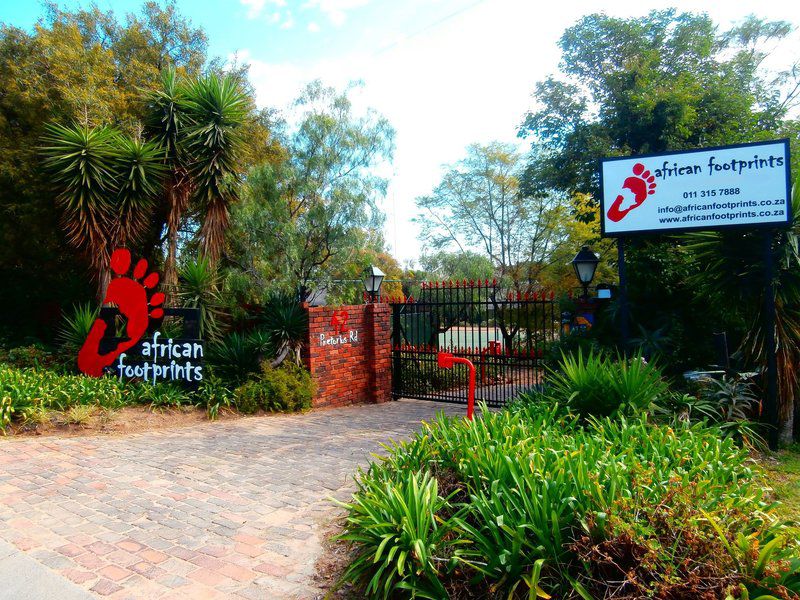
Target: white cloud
column 288, row 21
column 313, row 27
column 335, row 10
column 255, row 7
column 467, row 80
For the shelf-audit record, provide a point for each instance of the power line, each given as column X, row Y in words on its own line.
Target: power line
column 430, row 26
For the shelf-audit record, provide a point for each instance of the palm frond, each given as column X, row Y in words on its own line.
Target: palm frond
column 81, row 163
column 140, row 173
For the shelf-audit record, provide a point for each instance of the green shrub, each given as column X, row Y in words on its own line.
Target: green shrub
column 76, row 325
column 601, row 386
column 729, row 404
column 161, row 395
column 286, row 323
column 247, row 397
column 395, row 522
column 23, row 390
column 540, row 500
column 31, row 356
column 286, row 388
column 78, row 414
column 213, row 394
column 238, row 356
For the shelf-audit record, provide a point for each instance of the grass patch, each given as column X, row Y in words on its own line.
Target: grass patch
column 783, row 476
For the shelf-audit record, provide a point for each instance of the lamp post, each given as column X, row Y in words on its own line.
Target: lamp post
column 585, row 265
column 373, row 278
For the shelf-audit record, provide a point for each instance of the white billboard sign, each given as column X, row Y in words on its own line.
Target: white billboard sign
column 731, row 186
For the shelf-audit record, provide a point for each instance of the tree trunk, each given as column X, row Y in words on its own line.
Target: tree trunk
column 102, row 262
column 786, row 429
column 104, row 278
column 178, row 200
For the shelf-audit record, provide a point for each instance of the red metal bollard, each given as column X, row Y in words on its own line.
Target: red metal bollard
column 494, row 349
column 446, row 360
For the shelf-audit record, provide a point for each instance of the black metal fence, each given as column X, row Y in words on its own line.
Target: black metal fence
column 504, row 333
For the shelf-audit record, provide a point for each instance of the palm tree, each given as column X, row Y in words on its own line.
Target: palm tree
column 165, row 124
column 106, row 183
column 216, row 109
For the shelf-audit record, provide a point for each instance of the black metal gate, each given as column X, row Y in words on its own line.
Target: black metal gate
column 503, row 333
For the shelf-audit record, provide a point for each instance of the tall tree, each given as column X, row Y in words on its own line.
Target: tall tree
column 478, row 207
column 216, row 110
column 468, row 265
column 303, row 221
column 666, row 81
column 85, row 67
column 164, row 122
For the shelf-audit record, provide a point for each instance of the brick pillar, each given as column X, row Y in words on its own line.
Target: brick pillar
column 381, row 372
column 351, row 366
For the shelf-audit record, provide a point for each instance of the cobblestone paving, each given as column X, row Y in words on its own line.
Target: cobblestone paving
column 220, row 510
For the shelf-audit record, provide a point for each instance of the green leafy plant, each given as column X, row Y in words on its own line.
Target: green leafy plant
column 689, row 407
column 199, row 287
column 38, row 416
column 652, row 344
column 79, row 414
column 286, row 388
column 238, row 356
column 728, row 403
column 162, row 395
column 540, row 501
column 286, row 324
column 403, row 544
column 23, row 390
column 733, row 397
column 214, row 395
column 599, row 385
column 34, row 355
column 76, row 325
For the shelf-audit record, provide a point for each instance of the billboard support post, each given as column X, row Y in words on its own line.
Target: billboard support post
column 771, row 397
column 624, row 318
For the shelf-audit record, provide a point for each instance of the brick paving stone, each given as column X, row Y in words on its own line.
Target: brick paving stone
column 215, row 551
column 70, row 550
column 104, row 587
column 78, row 576
column 219, row 510
column 114, row 573
column 153, row 556
column 208, row 577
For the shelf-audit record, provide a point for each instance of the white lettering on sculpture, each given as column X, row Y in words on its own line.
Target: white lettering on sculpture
column 175, row 370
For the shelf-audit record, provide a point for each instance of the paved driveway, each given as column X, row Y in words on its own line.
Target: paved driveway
column 220, row 510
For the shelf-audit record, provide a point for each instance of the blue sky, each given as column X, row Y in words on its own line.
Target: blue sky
column 446, row 73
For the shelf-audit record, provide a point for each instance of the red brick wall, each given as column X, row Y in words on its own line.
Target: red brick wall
column 357, row 370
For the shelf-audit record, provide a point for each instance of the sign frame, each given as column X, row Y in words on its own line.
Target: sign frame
column 700, row 227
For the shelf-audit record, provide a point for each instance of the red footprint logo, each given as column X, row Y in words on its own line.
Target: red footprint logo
column 130, row 296
column 642, row 184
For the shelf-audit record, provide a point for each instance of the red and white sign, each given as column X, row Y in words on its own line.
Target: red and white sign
column 341, row 333
column 730, row 186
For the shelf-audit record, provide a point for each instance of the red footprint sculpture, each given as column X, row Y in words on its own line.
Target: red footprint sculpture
column 130, row 296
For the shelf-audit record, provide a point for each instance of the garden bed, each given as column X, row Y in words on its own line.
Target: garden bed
column 125, row 420
column 606, row 485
